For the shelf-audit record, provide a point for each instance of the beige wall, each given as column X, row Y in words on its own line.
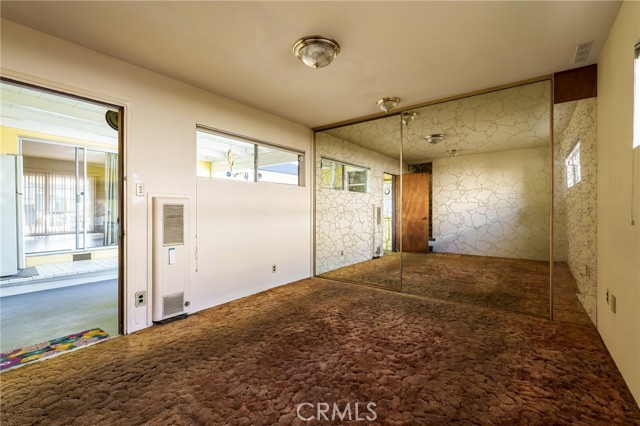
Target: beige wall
column 618, row 240
column 238, row 246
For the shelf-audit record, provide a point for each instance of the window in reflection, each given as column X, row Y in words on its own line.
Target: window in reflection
column 573, row 166
column 334, row 175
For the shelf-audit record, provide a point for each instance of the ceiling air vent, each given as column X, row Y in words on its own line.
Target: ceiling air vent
column 582, row 52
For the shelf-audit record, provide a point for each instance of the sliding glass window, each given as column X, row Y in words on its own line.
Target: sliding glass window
column 70, row 197
column 225, row 156
column 337, row 175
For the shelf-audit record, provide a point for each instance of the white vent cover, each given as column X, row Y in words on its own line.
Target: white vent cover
column 582, row 52
column 170, row 262
column 173, row 224
column 172, row 304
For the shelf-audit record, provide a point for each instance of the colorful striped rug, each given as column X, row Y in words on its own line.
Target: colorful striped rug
column 49, row 348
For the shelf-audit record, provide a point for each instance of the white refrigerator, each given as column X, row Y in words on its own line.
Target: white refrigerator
column 11, row 231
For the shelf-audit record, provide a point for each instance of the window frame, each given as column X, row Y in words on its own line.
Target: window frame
column 574, row 172
column 257, row 143
column 346, row 174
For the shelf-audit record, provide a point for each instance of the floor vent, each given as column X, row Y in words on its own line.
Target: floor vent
column 81, row 256
column 582, row 52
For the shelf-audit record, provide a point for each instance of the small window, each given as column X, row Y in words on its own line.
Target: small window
column 223, row 156
column 331, row 175
column 573, row 166
column 336, row 175
column 357, row 179
column 275, row 165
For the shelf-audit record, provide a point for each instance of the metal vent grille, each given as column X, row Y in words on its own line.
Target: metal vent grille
column 378, row 216
column 172, row 304
column 173, row 224
column 81, row 256
column 582, row 52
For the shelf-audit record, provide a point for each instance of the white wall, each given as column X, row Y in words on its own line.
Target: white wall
column 344, row 220
column 493, row 204
column 618, row 240
column 237, row 246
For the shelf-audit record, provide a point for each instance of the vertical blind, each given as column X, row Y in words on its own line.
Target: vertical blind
column 50, row 202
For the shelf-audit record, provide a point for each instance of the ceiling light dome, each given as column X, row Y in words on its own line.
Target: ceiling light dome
column 434, row 138
column 408, row 117
column 316, row 51
column 387, row 104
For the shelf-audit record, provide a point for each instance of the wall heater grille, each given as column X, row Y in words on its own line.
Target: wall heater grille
column 172, row 304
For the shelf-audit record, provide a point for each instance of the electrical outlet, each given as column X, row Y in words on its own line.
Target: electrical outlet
column 607, row 296
column 140, row 189
column 141, row 298
column 274, row 268
column 341, row 252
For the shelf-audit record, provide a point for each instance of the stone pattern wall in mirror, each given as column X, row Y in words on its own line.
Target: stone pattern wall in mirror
column 348, row 229
column 485, row 191
column 575, row 220
column 490, row 199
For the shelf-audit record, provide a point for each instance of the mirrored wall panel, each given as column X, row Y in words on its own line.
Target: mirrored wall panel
column 357, row 196
column 477, row 200
column 574, row 219
column 455, row 201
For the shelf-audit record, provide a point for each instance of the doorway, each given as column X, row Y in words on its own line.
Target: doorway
column 61, row 280
column 389, row 212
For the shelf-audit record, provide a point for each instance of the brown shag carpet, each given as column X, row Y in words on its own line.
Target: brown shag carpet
column 252, row 361
column 515, row 284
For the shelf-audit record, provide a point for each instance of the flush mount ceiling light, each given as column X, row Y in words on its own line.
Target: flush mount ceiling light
column 387, row 104
column 408, row 117
column 316, row 51
column 434, row 138
column 454, row 152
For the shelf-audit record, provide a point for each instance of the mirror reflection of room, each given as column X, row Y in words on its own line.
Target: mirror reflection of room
column 574, row 218
column 356, row 203
column 457, row 203
column 476, row 200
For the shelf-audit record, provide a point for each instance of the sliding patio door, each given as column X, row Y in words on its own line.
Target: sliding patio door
column 70, row 197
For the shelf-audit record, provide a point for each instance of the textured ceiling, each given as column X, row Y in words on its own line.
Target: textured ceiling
column 514, row 118
column 418, row 51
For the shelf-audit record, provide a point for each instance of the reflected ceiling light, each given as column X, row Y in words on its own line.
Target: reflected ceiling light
column 408, row 117
column 434, row 138
column 454, row 152
column 387, row 104
column 316, row 51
